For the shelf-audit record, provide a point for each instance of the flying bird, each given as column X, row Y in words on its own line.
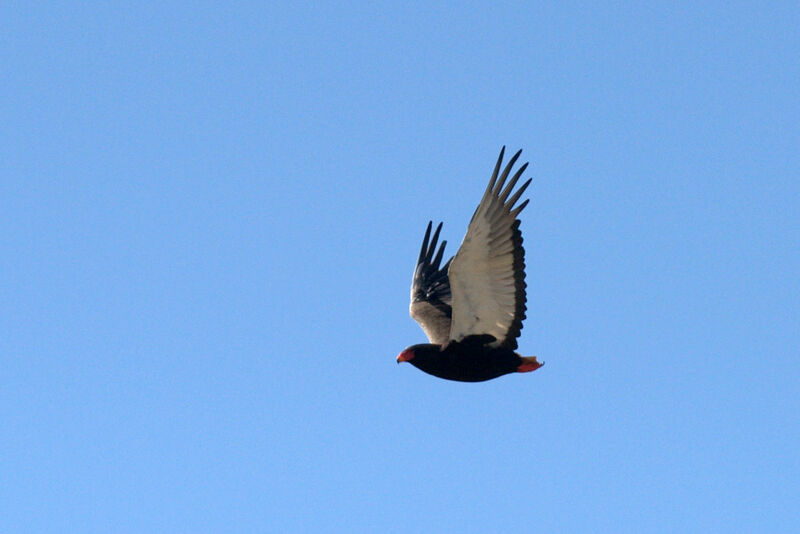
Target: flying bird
column 472, row 307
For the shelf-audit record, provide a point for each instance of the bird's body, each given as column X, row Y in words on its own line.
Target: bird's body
column 472, row 359
column 471, row 309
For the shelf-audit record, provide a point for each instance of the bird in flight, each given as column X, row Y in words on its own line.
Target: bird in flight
column 472, row 307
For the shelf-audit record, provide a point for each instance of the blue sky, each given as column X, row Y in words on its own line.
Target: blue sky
column 209, row 219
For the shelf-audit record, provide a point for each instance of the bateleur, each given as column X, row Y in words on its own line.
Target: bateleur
column 472, row 307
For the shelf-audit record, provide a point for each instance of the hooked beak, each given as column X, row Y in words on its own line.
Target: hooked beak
column 405, row 356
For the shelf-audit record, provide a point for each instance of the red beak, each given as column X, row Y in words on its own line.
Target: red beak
column 405, row 356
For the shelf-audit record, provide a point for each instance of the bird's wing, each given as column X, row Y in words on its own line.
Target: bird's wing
column 487, row 275
column 430, row 290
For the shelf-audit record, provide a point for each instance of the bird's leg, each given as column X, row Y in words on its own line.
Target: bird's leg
column 529, row 363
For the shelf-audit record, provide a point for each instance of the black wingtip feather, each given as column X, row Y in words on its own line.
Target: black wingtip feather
column 424, row 248
column 523, row 187
column 432, row 246
column 438, row 259
column 496, row 169
column 516, row 211
column 510, row 186
column 507, row 170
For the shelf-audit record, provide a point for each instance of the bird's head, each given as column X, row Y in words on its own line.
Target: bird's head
column 419, row 355
column 406, row 356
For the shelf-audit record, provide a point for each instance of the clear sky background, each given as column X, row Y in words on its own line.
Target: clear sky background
column 209, row 217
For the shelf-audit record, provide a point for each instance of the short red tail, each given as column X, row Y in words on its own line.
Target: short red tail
column 529, row 363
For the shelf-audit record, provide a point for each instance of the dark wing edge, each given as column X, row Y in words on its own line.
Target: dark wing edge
column 430, row 289
column 520, row 285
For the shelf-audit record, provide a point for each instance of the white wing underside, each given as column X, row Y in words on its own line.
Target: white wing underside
column 434, row 322
column 487, row 274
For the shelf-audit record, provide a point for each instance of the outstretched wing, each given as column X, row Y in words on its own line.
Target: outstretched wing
column 430, row 290
column 487, row 275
